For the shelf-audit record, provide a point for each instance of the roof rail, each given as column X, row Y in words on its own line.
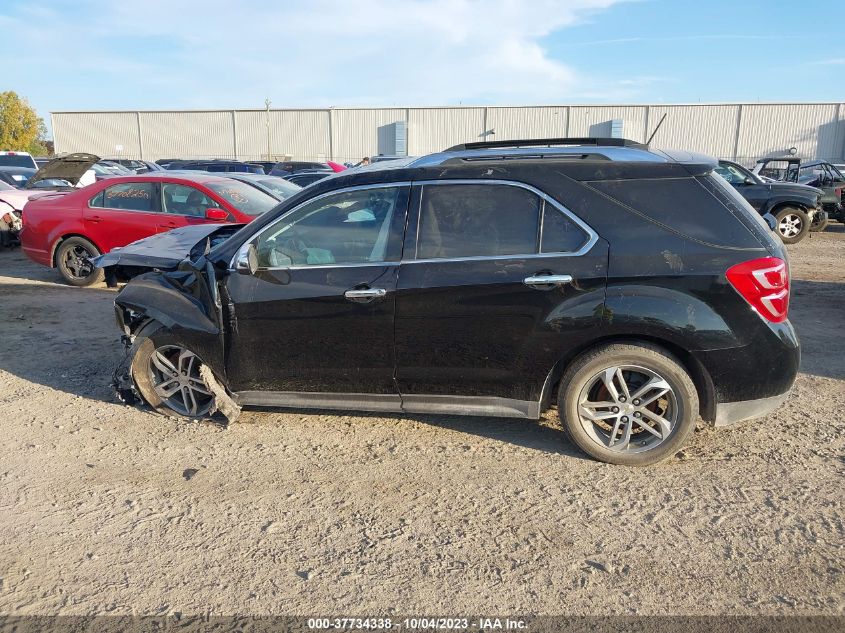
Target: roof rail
column 546, row 142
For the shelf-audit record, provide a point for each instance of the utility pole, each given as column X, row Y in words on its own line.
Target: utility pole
column 267, row 105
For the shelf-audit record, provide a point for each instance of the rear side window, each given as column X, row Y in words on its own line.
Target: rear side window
column 477, row 221
column 133, row 196
column 685, row 206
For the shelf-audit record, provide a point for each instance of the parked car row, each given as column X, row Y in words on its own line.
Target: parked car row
column 65, row 226
column 472, row 281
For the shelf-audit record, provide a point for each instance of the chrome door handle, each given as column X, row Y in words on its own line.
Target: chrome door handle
column 365, row 295
column 547, row 281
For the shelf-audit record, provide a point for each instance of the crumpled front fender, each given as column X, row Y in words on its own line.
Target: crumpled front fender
column 167, row 298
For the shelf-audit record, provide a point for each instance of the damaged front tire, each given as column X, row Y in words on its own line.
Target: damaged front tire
column 172, row 379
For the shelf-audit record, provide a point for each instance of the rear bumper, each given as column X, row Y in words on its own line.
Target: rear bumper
column 729, row 413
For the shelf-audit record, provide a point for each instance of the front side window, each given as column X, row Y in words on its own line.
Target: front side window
column 133, row 196
column 731, row 174
column 185, row 200
column 477, row 221
column 351, row 227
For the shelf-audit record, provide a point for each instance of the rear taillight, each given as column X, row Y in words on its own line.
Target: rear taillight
column 764, row 284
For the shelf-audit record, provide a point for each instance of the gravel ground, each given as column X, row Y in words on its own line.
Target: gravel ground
column 106, row 508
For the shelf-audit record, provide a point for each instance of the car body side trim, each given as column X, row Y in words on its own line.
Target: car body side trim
column 471, row 405
column 321, row 400
column 393, row 403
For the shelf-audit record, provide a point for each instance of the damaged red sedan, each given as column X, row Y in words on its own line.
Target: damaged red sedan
column 65, row 230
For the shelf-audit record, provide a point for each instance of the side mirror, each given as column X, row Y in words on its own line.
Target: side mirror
column 247, row 260
column 216, row 214
column 749, row 181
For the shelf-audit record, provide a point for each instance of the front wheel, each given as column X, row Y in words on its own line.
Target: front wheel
column 792, row 224
column 167, row 374
column 73, row 259
column 628, row 404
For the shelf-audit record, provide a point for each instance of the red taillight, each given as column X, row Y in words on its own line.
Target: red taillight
column 763, row 283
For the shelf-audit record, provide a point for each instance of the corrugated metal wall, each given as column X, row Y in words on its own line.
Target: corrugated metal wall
column 741, row 131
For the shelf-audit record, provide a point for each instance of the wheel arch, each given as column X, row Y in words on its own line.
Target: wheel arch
column 66, row 236
column 698, row 373
column 776, row 206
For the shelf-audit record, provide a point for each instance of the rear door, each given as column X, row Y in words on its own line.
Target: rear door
column 497, row 283
column 122, row 214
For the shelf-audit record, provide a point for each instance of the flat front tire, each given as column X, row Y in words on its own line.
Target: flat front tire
column 631, row 404
column 72, row 261
column 166, row 374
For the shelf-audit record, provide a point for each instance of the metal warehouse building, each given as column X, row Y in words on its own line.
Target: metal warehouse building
column 743, row 132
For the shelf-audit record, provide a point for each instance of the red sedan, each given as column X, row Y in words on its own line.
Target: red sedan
column 65, row 229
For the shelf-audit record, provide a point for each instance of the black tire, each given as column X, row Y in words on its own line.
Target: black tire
column 70, row 256
column 149, row 338
column 817, row 226
column 793, row 224
column 683, row 401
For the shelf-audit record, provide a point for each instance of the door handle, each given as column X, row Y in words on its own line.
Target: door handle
column 365, row 295
column 94, row 218
column 546, row 282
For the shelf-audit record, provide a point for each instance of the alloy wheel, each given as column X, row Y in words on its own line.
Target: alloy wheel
column 76, row 261
column 176, row 379
column 628, row 409
column 790, row 225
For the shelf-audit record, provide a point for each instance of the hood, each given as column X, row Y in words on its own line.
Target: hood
column 791, row 187
column 71, row 168
column 164, row 251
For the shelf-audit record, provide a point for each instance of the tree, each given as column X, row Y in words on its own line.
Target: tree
column 20, row 127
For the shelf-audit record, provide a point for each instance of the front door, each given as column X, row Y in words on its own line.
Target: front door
column 497, row 284
column 316, row 318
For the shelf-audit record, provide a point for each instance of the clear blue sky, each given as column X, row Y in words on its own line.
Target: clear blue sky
column 158, row 54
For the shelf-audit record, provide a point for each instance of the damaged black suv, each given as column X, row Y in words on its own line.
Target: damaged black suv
column 633, row 288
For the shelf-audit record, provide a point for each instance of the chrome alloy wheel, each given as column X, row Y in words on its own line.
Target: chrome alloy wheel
column 627, row 408
column 175, row 376
column 790, row 225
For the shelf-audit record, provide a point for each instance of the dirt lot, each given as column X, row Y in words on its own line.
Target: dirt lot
column 304, row 513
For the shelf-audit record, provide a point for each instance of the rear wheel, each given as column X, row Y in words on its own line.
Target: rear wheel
column 73, row 261
column 792, row 224
column 628, row 404
column 167, row 374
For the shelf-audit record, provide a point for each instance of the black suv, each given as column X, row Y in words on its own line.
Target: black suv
column 796, row 208
column 633, row 288
column 815, row 173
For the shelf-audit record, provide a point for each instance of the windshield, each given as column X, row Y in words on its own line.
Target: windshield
column 16, row 160
column 6, row 187
column 243, row 197
column 20, row 178
column 282, row 188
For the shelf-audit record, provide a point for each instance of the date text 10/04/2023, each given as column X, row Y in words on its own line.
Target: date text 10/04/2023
column 418, row 624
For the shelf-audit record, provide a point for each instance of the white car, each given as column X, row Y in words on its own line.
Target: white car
column 17, row 159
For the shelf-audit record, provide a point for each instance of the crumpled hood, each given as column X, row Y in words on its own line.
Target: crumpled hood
column 165, row 250
column 71, row 168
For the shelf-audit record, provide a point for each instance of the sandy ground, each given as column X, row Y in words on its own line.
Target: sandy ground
column 314, row 513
